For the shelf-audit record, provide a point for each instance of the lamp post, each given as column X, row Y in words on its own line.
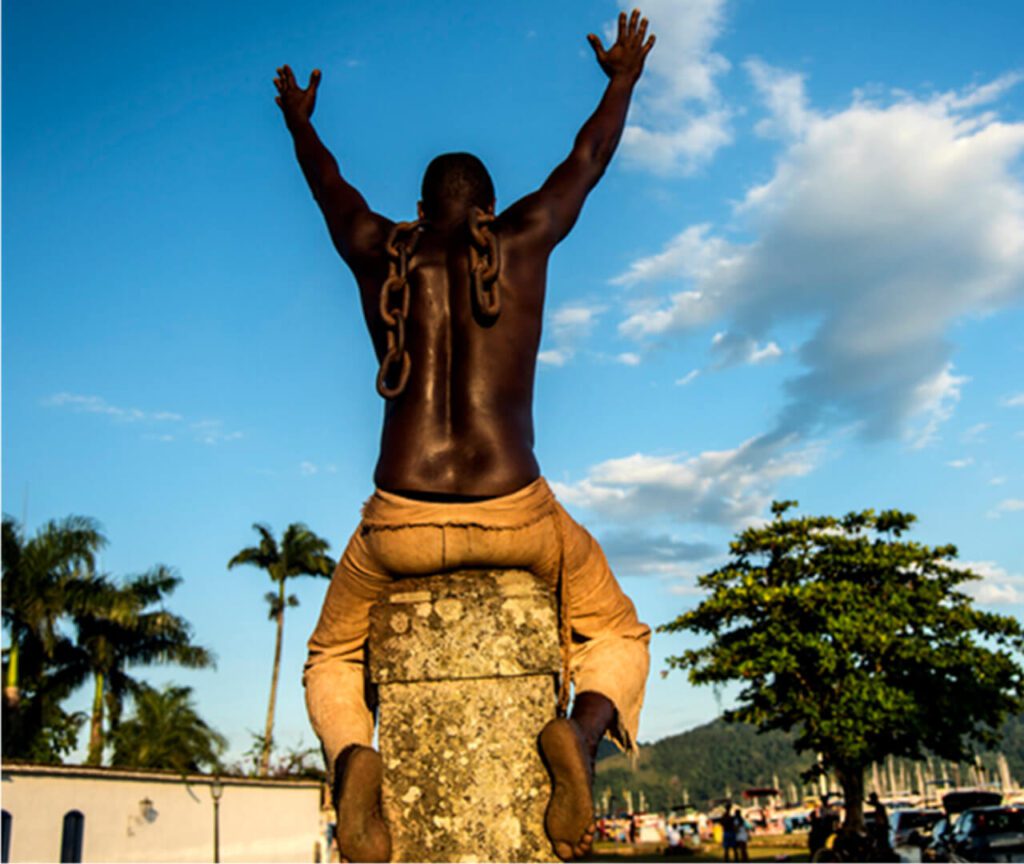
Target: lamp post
column 216, row 791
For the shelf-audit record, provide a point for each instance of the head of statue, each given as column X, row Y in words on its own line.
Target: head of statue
column 452, row 184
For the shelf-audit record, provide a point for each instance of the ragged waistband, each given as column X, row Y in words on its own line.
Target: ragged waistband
column 516, row 510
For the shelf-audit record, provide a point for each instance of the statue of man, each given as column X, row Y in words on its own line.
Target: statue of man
column 454, row 304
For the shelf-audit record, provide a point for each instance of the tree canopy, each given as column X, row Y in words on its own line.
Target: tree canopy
column 43, row 578
column 860, row 642
column 67, row 623
column 125, row 625
column 164, row 731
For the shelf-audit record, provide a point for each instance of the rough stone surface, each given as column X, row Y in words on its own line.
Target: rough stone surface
column 465, row 663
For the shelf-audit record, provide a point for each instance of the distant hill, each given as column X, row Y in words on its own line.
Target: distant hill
column 721, row 759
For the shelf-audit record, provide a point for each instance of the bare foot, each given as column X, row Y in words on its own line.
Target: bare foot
column 362, row 833
column 569, row 819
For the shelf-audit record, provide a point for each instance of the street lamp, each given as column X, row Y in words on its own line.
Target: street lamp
column 216, row 791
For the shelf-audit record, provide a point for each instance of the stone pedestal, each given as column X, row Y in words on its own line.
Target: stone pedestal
column 465, row 664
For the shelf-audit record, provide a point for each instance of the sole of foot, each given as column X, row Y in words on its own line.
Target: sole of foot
column 569, row 819
column 362, row 832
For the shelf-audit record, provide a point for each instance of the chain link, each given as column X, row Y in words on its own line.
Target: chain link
column 484, row 263
column 395, row 296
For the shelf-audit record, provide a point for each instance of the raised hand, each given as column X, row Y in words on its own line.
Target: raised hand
column 296, row 104
column 626, row 57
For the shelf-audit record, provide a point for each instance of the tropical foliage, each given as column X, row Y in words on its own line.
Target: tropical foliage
column 43, row 578
column 66, row 625
column 165, row 731
column 858, row 642
column 122, row 627
column 300, row 553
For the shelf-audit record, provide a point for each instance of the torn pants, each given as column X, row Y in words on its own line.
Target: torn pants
column 402, row 537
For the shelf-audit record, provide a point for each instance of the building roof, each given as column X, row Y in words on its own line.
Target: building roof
column 30, row 769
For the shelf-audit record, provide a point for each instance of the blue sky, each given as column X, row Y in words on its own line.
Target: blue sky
column 802, row 277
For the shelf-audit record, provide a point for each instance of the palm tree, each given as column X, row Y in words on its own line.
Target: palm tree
column 122, row 626
column 166, row 732
column 42, row 578
column 301, row 553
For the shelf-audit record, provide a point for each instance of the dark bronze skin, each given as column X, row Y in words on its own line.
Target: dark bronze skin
column 462, row 428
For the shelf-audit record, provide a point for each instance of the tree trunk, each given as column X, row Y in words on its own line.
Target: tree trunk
column 851, row 778
column 96, row 726
column 268, row 732
column 12, row 693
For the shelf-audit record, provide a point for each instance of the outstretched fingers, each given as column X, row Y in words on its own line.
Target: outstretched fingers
column 595, row 43
column 642, row 32
column 314, row 80
column 281, row 81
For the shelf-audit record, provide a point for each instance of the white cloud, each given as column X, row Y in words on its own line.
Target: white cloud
column 678, row 120
column 784, row 96
column 691, row 255
column 996, row 587
column 1007, row 505
column 575, row 317
column 635, row 552
column 687, row 378
column 212, row 432
column 976, row 432
column 961, row 463
column 204, row 431
column 309, row 469
column 1014, row 401
column 882, row 226
column 628, row 358
column 733, row 349
column 569, row 325
column 982, row 94
column 727, row 487
column 933, row 399
column 98, row 405
column 552, row 357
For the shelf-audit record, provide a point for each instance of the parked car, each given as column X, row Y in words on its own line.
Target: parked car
column 954, row 804
column 989, row 834
column 910, row 831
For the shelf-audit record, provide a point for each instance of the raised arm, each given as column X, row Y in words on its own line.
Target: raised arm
column 554, row 208
column 356, row 230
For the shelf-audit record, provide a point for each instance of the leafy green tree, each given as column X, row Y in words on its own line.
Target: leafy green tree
column 858, row 641
column 122, row 626
column 300, row 553
column 165, row 731
column 43, row 578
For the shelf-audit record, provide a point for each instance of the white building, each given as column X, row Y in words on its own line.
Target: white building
column 69, row 813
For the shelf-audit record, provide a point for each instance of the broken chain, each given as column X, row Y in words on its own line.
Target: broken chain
column 395, row 297
column 484, row 263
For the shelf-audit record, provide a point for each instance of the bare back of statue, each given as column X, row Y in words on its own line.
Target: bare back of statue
column 462, row 424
